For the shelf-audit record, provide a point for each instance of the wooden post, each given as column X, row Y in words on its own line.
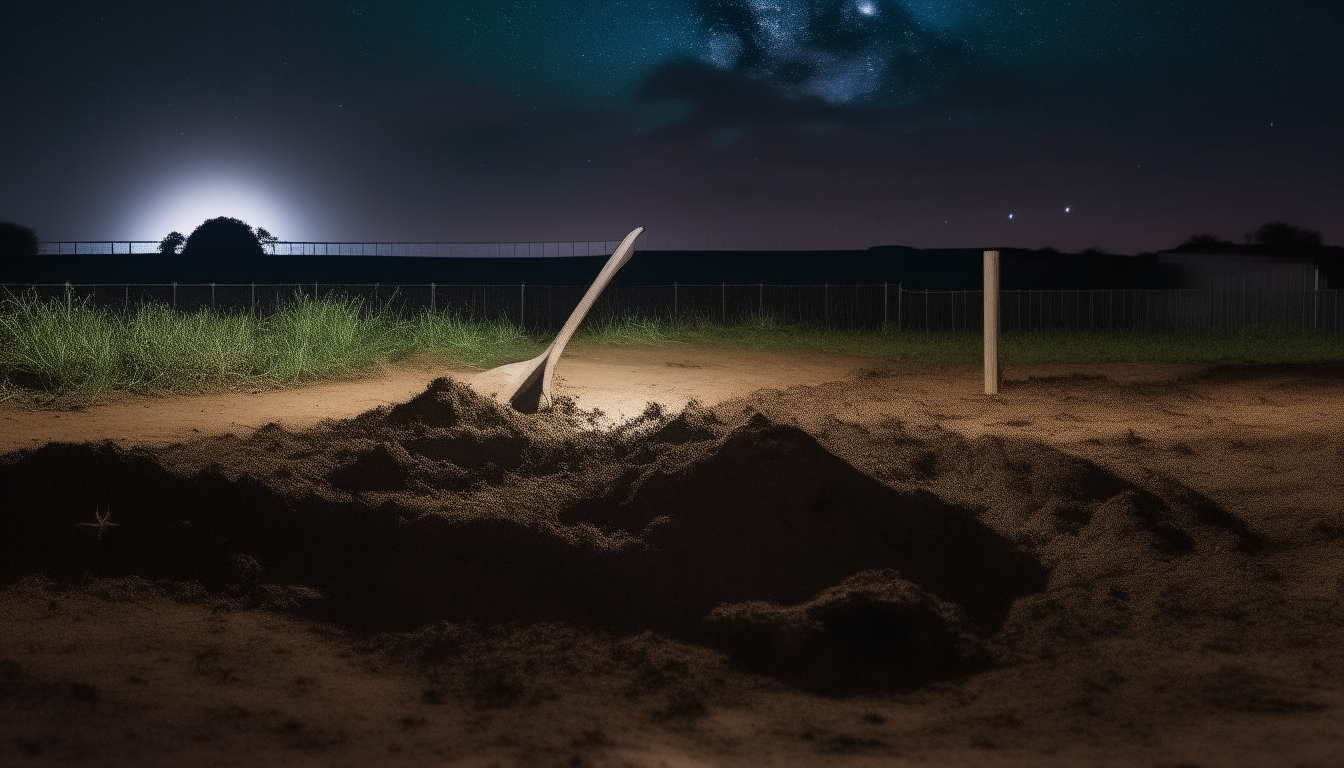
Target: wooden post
column 991, row 322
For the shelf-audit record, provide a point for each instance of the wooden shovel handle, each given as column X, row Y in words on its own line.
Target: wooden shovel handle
column 618, row 259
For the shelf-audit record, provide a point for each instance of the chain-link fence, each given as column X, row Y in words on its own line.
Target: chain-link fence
column 833, row 305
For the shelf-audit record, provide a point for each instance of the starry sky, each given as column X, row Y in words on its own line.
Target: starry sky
column 1121, row 124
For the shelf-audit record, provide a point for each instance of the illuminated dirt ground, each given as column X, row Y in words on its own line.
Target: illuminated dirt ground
column 826, row 560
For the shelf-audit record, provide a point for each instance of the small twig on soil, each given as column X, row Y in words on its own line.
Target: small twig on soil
column 102, row 521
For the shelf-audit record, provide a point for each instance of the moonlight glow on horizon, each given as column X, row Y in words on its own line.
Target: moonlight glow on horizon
column 183, row 206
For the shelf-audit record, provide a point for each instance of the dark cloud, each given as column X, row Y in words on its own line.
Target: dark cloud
column 721, row 96
column 839, row 51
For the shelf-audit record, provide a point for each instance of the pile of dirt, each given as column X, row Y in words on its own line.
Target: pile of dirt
column 724, row 527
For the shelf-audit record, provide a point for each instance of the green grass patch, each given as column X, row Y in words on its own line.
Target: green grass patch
column 70, row 349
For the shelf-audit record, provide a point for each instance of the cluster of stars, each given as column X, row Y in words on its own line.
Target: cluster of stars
column 840, row 51
column 1012, row 215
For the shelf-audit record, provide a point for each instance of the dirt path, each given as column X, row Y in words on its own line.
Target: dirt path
column 1061, row 403
column 618, row 381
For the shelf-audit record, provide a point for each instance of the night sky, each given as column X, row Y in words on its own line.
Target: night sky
column 1126, row 125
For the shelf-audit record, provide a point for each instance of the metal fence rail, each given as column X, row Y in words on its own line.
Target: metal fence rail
column 833, row 305
column 423, row 250
column 547, row 250
column 480, row 250
column 98, row 247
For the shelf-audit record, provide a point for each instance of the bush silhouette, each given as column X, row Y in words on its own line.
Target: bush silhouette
column 1204, row 242
column 171, row 242
column 1281, row 234
column 223, row 238
column 17, row 241
column 18, row 245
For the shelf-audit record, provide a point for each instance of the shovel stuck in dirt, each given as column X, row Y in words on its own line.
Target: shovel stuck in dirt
column 527, row 385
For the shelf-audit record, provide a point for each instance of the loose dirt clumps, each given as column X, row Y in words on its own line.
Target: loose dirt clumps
column 853, row 568
column 740, row 531
column 452, row 507
column 873, row 631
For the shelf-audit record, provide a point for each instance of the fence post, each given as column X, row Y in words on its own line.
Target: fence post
column 884, row 305
column 522, row 303
column 212, row 296
column 1316, row 302
column 254, row 299
column 900, row 295
column 674, row 301
column 991, row 322
column 760, row 301
column 723, row 301
column 174, row 295
column 126, row 305
column 826, row 304
column 431, row 298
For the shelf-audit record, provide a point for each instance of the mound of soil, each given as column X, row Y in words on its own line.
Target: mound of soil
column 873, row 631
column 726, row 528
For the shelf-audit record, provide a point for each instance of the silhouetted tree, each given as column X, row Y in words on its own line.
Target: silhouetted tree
column 1281, row 234
column 267, row 240
column 223, row 238
column 1204, row 242
column 171, row 242
column 18, row 246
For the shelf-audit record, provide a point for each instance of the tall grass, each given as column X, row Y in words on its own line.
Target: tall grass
column 53, row 348
column 64, row 347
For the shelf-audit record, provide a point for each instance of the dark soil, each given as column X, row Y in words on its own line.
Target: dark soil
column 734, row 531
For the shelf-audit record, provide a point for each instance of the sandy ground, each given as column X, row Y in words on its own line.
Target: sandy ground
column 620, row 382
column 1157, row 580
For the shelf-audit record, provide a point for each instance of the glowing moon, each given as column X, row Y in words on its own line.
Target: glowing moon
column 182, row 206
